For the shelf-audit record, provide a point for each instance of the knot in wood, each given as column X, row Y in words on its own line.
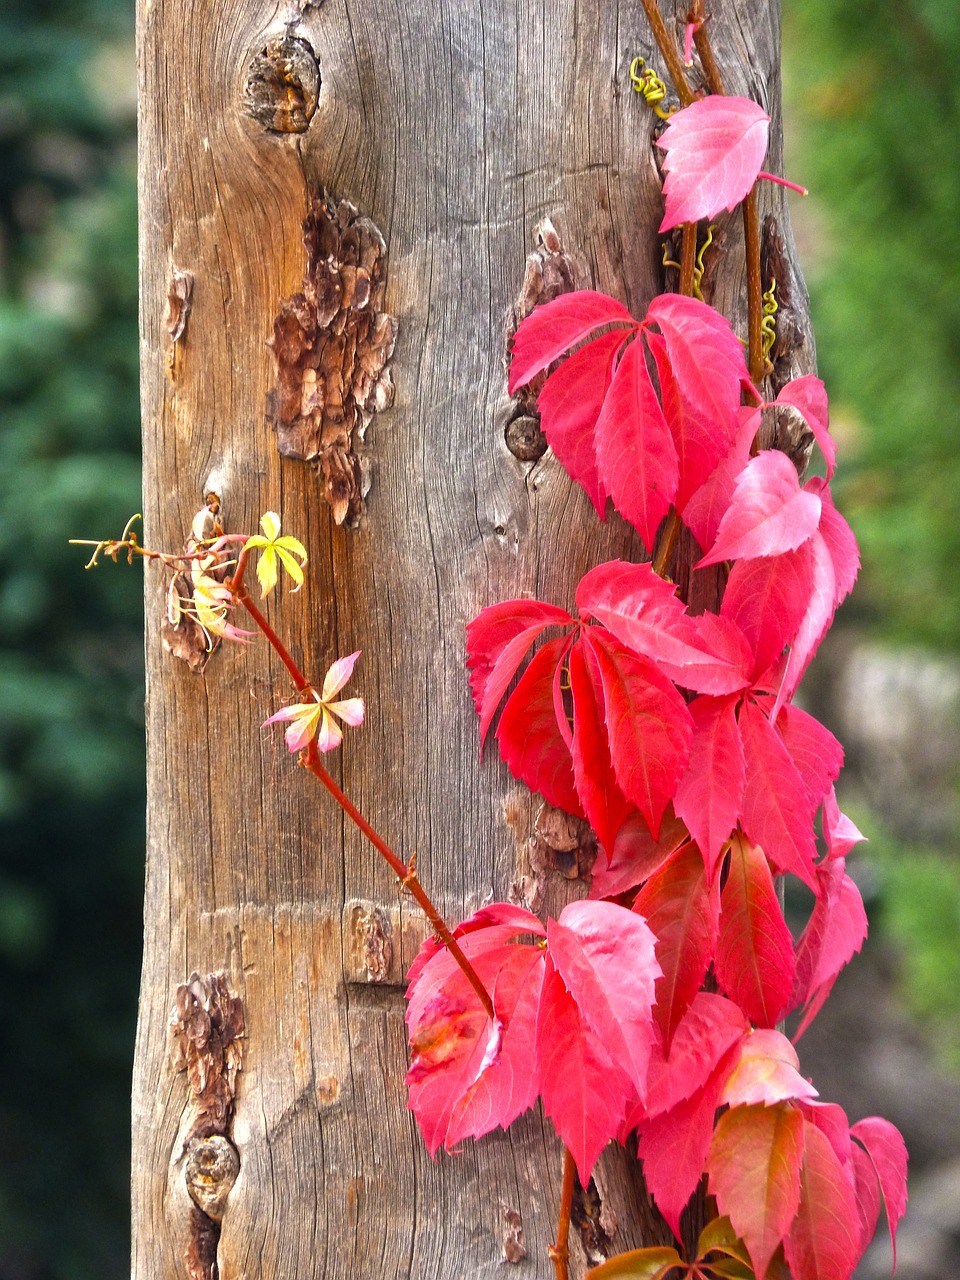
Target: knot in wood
column 524, row 438
column 283, row 85
column 211, row 1170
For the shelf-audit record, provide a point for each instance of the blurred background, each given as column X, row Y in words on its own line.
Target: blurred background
column 873, row 112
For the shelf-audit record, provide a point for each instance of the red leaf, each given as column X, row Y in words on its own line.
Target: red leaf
column 715, row 149
column 605, row 804
column 809, row 397
column 530, row 739
column 767, row 1071
column 777, row 812
column 885, row 1147
column 585, row 1093
column 769, row 513
column 674, row 1148
column 710, row 792
column 642, row 610
column 635, row 451
column 648, row 725
column 835, row 932
column 684, row 913
column 606, row 957
column 495, row 648
column 570, row 404
column 706, row 358
column 754, row 1168
column 468, row 1075
column 815, row 752
column 708, row 1032
column 767, row 598
column 867, row 1190
column 754, row 963
column 558, row 325
column 700, row 440
column 636, row 854
column 823, row 1242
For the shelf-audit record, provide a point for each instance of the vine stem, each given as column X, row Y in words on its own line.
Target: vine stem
column 669, row 51
column 751, row 237
column 560, row 1252
column 310, row 759
column 702, row 41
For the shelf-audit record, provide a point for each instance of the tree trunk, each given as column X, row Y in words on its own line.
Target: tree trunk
column 455, row 128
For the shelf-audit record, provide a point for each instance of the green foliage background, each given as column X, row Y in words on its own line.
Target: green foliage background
column 876, row 101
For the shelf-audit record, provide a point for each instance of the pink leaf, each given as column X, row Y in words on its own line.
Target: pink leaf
column 777, row 812
column 754, row 1168
column 715, row 148
column 636, row 854
column 605, row 805
column 585, row 1092
column 710, row 791
column 835, row 932
column 674, row 1148
column 885, row 1147
column 648, row 725
column 768, row 598
column 570, row 404
column 767, row 1072
column 755, row 962
column 555, row 327
column 635, row 451
column 530, row 739
column 768, row 514
column 469, row 1075
column 809, row 397
column 683, row 911
column 641, row 609
column 707, row 363
column 708, row 1033
column 495, row 649
column 823, row 1242
column 606, row 957
column 867, row 1190
column 705, row 509
column 815, row 752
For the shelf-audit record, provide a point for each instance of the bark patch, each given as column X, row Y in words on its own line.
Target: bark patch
column 331, row 343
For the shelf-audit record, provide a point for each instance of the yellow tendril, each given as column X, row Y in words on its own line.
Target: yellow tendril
column 768, row 325
column 699, row 268
column 646, row 82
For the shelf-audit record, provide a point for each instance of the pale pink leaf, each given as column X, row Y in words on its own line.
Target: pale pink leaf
column 715, row 149
column 839, row 831
column 769, row 513
column 767, row 1071
column 835, row 932
column 808, row 396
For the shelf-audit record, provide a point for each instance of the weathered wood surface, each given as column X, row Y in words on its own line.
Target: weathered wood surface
column 456, row 126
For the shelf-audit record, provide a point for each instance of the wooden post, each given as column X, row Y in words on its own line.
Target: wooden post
column 455, row 129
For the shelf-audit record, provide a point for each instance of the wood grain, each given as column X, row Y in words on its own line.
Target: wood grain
column 456, row 126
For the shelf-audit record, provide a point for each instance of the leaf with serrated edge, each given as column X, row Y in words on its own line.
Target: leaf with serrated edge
column 715, row 149
column 768, row 599
column 885, row 1147
column 835, row 932
column 492, row 632
column 767, row 1071
column 754, row 1173
column 553, row 328
column 754, row 962
column 823, row 1242
column 710, row 791
column 605, row 805
column 809, row 397
column 769, row 514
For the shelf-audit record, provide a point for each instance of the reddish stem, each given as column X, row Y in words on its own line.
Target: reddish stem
column 783, row 182
column 751, row 235
column 688, row 259
column 560, row 1252
column 311, row 760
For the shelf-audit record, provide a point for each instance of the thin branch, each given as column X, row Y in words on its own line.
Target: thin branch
column 751, row 236
column 702, row 41
column 669, row 51
column 560, row 1252
column 688, row 259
